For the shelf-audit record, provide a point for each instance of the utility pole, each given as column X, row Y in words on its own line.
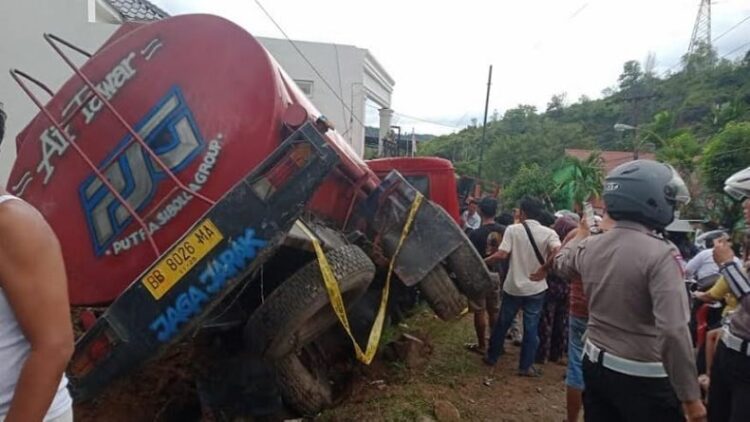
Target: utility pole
column 635, row 101
column 484, row 126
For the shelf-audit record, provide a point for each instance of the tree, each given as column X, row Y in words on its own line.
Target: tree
column 698, row 105
column 702, row 59
column 726, row 153
column 631, row 75
column 650, row 64
column 578, row 180
column 556, row 104
column 531, row 180
column 681, row 152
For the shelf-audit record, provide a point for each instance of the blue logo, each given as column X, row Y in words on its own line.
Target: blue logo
column 170, row 130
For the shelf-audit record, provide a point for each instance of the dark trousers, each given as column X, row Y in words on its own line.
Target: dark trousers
column 553, row 329
column 532, row 309
column 612, row 397
column 729, row 395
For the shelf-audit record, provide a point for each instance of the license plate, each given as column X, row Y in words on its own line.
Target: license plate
column 182, row 258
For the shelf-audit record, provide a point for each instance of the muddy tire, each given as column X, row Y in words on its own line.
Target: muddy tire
column 472, row 276
column 442, row 295
column 299, row 311
column 305, row 388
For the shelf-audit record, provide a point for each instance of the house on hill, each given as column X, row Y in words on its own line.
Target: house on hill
column 610, row 159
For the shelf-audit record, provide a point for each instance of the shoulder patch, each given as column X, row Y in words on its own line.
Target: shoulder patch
column 680, row 262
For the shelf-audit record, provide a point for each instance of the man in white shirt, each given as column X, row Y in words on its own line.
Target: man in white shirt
column 470, row 217
column 519, row 291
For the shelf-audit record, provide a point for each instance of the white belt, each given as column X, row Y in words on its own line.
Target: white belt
column 733, row 342
column 622, row 365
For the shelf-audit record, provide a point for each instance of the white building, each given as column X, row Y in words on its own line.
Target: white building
column 84, row 23
column 354, row 76
column 352, row 72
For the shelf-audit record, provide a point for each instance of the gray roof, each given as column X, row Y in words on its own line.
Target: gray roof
column 138, row 10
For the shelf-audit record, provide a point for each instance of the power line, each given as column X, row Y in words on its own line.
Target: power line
column 276, row 24
column 736, row 49
column 732, row 28
column 341, row 86
column 419, row 119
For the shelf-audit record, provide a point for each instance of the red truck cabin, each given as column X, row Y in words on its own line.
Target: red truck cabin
column 434, row 177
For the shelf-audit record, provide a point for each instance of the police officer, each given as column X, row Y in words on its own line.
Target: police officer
column 729, row 394
column 638, row 361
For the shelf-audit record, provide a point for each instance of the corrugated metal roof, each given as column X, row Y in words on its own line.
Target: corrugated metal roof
column 138, row 10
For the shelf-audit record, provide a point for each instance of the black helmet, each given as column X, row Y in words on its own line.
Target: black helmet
column 644, row 191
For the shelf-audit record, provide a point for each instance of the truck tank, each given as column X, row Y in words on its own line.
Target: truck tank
column 208, row 100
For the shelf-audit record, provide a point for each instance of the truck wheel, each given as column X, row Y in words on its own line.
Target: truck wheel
column 472, row 276
column 442, row 295
column 298, row 311
column 304, row 387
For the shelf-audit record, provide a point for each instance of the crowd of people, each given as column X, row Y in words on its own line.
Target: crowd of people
column 625, row 300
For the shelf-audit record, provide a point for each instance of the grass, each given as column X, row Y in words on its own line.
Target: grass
column 410, row 393
column 405, row 404
column 391, row 391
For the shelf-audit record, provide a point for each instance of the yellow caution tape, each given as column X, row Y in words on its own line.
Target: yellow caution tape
column 334, row 293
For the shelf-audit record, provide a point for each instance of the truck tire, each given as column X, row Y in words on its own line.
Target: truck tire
column 472, row 276
column 442, row 295
column 304, row 389
column 298, row 311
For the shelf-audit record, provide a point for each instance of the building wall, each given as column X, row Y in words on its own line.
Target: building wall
column 344, row 67
column 23, row 23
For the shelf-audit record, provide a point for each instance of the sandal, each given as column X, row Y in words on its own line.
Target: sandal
column 474, row 347
column 532, row 372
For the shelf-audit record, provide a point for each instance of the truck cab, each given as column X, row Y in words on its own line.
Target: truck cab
column 434, row 177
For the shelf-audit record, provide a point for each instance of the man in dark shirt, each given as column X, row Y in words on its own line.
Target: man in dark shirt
column 486, row 307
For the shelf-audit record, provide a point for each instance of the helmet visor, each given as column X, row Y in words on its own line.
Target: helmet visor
column 735, row 193
column 676, row 190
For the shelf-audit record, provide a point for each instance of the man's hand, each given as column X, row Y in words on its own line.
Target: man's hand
column 495, row 257
column 539, row 275
column 694, row 411
column 703, row 297
column 583, row 230
column 723, row 252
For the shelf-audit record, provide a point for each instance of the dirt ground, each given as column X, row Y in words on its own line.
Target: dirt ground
column 390, row 391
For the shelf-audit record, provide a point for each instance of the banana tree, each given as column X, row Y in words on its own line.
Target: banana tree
column 580, row 180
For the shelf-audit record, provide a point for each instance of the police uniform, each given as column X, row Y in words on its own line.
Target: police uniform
column 729, row 394
column 638, row 361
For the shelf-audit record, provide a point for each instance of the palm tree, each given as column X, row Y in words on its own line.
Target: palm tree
column 580, row 180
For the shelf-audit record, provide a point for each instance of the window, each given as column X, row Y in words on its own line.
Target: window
column 305, row 86
column 420, row 183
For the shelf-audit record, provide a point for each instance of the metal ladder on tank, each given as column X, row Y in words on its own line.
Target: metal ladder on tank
column 22, row 78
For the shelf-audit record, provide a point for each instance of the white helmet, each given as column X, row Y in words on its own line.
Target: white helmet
column 738, row 185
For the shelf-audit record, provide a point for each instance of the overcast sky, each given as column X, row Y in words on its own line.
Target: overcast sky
column 439, row 51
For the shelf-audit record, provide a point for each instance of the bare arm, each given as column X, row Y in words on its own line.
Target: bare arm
column 504, row 249
column 497, row 256
column 566, row 260
column 32, row 274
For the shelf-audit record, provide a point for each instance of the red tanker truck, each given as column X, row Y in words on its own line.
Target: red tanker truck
column 189, row 182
